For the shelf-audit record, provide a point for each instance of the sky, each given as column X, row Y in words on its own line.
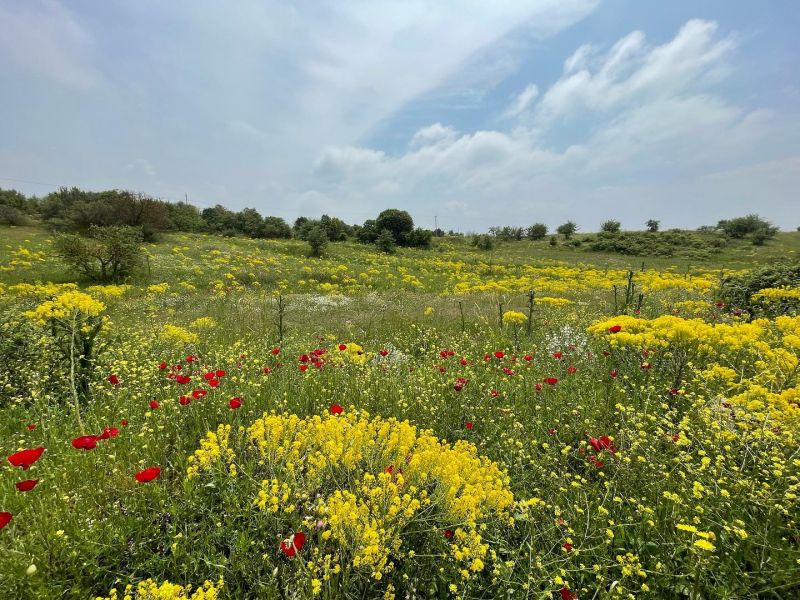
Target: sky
column 468, row 114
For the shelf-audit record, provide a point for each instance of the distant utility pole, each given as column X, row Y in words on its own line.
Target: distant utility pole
column 186, row 197
column 435, row 222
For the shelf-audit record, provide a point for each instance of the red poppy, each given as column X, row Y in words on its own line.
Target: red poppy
column 538, row 387
column 219, row 373
column 293, row 544
column 153, row 404
column 602, row 443
column 567, row 594
column 597, row 463
column 191, row 358
column 336, row 409
column 31, row 426
column 304, row 368
column 613, row 373
column 647, row 365
column 557, row 355
column 615, row 329
column 389, row 469
column 567, row 546
column 162, row 365
column 147, row 474
column 494, row 393
column 5, row 519
column 508, row 371
column 25, row 458
column 463, row 362
column 108, row 432
column 551, row 380
column 197, row 394
column 342, row 347
column 459, row 384
column 183, row 379
column 528, row 357
column 499, row 354
column 469, row 425
column 275, row 351
column 113, row 379
column 85, row 442
column 184, row 400
column 214, row 383
column 27, row 485
column 383, row 352
column 208, row 376
column 448, row 534
column 552, row 431
column 571, row 369
column 235, row 403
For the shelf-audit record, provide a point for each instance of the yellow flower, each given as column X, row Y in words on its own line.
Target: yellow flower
column 513, row 317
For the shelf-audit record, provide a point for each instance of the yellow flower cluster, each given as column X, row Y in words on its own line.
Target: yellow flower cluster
column 513, row 317
column 68, row 304
column 173, row 333
column 776, row 294
column 204, row 323
column 152, row 590
column 213, row 448
column 352, row 353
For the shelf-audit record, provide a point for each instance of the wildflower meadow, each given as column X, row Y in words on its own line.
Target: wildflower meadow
column 241, row 420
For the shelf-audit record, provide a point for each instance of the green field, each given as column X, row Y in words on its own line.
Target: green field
column 583, row 448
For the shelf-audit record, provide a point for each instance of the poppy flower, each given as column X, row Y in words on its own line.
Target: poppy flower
column 615, row 329
column 5, row 519
column 124, row 422
column 567, row 546
column 551, row 380
column 527, row 358
column 567, row 594
column 552, row 431
column 463, row 362
column 108, row 432
column 113, row 379
column 209, row 376
column 499, row 354
column 342, row 347
column 508, row 371
column 557, row 355
column 25, row 458
column 162, row 365
column 336, row 409
column 219, row 373
column 85, row 442
column 147, row 474
column 27, row 485
column 293, row 544
column 153, row 404
column 602, row 443
column 184, row 400
column 494, row 393
column 469, row 425
column 383, row 352
column 571, row 369
column 31, row 426
column 389, row 469
column 197, row 394
column 448, row 534
column 183, row 379
column 191, row 358
column 538, row 387
column 613, row 373
column 304, row 368
column 214, row 383
column 235, row 403
column 275, row 351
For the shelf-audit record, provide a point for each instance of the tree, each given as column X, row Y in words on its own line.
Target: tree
column 611, row 226
column 248, row 221
column 398, row 222
column 652, row 225
column 419, row 238
column 108, row 253
column 185, row 217
column 483, row 242
column 274, row 228
column 567, row 229
column 385, row 242
column 369, row 232
column 537, row 231
column 317, row 239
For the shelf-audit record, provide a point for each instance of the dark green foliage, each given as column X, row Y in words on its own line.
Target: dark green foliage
column 666, row 243
column 507, row 234
column 483, row 242
column 652, row 225
column 611, row 226
column 419, row 238
column 553, row 240
column 274, row 228
column 567, row 229
column 398, row 222
column 537, row 231
column 11, row 216
column 385, row 242
column 317, row 239
column 738, row 290
column 107, row 254
column 754, row 225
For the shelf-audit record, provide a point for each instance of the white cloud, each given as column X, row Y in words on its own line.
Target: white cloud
column 523, row 101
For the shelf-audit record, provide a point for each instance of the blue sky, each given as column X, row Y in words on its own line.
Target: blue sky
column 480, row 113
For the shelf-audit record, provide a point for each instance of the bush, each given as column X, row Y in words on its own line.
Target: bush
column 537, row 231
column 740, row 227
column 318, row 240
column 738, row 290
column 611, row 226
column 107, row 254
column 11, row 216
column 652, row 225
column 419, row 238
column 483, row 242
column 385, row 242
column 398, row 222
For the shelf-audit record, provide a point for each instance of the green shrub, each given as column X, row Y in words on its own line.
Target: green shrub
column 738, row 290
column 107, row 254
